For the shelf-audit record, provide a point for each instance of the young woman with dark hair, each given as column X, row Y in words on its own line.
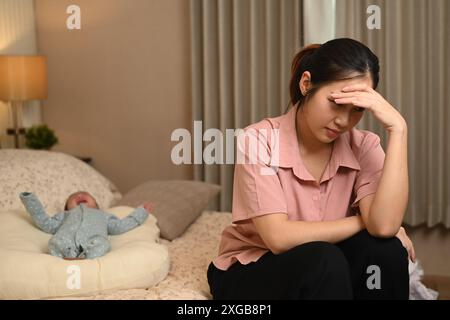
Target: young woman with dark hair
column 327, row 223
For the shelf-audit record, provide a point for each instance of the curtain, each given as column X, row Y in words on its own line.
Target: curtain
column 241, row 56
column 319, row 20
column 17, row 37
column 413, row 45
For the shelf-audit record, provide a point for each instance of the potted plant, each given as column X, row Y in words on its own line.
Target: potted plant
column 40, row 137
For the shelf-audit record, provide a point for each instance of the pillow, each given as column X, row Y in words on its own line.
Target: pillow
column 52, row 176
column 27, row 271
column 177, row 203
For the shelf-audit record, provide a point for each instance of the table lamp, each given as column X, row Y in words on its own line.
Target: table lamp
column 22, row 78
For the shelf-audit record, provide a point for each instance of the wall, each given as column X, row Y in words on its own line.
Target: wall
column 119, row 86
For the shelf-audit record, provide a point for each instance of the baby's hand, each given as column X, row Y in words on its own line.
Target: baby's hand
column 148, row 207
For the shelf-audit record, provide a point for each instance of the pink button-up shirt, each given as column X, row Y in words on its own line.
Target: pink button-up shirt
column 352, row 173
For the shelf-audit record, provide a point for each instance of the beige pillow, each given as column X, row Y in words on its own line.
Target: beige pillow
column 27, row 271
column 177, row 203
column 52, row 177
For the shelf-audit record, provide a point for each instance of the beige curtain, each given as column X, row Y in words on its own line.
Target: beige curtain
column 241, row 56
column 319, row 20
column 413, row 45
column 17, row 37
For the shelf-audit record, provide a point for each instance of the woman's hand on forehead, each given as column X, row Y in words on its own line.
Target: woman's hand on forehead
column 364, row 96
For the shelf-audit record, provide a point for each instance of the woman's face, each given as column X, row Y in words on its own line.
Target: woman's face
column 322, row 113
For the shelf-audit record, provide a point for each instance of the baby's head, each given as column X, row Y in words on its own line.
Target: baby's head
column 81, row 197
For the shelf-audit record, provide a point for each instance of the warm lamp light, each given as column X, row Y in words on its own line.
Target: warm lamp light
column 22, row 78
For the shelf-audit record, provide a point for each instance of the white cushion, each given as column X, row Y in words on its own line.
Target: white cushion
column 52, row 177
column 27, row 271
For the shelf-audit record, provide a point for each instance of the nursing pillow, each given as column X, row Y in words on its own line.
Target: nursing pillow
column 28, row 271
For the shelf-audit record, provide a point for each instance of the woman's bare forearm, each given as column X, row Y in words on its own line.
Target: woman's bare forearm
column 281, row 234
column 328, row 231
column 391, row 199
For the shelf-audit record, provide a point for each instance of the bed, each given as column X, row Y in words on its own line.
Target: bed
column 188, row 231
column 179, row 228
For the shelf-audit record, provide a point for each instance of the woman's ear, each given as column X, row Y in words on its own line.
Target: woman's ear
column 305, row 82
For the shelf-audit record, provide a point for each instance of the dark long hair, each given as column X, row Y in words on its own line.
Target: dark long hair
column 332, row 61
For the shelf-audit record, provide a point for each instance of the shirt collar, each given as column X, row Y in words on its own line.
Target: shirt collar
column 342, row 154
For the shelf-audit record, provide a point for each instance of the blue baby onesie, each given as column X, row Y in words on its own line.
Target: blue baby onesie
column 80, row 232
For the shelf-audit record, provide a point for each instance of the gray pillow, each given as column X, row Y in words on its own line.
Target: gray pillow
column 177, row 203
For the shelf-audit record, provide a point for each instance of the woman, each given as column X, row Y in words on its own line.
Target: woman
column 327, row 223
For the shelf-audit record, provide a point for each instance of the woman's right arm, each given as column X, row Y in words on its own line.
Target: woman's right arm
column 281, row 234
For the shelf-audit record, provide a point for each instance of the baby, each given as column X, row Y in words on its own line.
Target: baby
column 81, row 230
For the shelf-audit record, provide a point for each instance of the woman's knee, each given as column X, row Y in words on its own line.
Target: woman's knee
column 388, row 250
column 329, row 256
column 318, row 250
column 329, row 273
column 386, row 265
column 322, row 257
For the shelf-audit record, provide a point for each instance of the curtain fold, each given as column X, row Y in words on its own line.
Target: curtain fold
column 241, row 56
column 413, row 48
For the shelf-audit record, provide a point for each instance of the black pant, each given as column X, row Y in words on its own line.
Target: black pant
column 360, row 267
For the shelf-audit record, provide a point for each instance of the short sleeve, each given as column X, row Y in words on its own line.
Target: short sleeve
column 371, row 163
column 256, row 188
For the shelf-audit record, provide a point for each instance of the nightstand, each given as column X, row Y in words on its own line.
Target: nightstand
column 88, row 160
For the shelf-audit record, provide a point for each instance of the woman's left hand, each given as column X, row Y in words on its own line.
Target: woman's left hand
column 407, row 243
column 362, row 95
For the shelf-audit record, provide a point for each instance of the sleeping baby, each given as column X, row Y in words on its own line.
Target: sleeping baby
column 81, row 230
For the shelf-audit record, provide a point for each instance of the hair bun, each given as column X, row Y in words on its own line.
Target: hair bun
column 302, row 54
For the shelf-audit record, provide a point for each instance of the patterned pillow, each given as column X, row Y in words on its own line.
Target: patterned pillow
column 177, row 203
column 52, row 176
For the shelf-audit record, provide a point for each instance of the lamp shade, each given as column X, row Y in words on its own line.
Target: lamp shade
column 23, row 78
